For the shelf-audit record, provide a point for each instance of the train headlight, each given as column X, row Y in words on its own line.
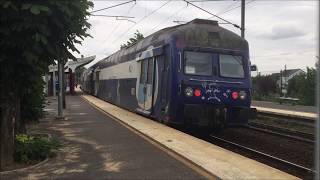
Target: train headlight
column 188, row 92
column 242, row 95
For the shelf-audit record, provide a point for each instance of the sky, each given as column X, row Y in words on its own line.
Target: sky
column 279, row 32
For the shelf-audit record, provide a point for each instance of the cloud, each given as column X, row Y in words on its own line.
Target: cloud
column 272, row 27
column 284, row 31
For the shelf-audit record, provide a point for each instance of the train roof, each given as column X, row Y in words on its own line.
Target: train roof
column 196, row 33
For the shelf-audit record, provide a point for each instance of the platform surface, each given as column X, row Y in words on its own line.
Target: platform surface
column 308, row 112
column 94, row 146
column 218, row 161
column 289, row 107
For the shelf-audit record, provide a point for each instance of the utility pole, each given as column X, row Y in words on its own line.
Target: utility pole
column 285, row 80
column 54, row 80
column 63, row 87
column 280, row 82
column 60, row 96
column 243, row 4
column 317, row 149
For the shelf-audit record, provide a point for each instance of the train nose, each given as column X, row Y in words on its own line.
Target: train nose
column 215, row 94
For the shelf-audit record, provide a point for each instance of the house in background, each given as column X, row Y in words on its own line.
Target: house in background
column 286, row 76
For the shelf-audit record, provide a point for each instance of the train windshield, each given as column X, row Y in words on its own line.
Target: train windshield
column 198, row 63
column 231, row 66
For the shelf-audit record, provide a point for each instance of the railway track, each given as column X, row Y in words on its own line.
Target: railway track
column 261, row 155
column 298, row 120
column 296, row 135
column 285, row 149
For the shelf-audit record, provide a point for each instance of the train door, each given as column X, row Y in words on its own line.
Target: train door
column 96, row 82
column 146, row 85
column 165, row 84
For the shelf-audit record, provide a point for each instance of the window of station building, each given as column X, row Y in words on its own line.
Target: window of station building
column 231, row 66
column 198, row 63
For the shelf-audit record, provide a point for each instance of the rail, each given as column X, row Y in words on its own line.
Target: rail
column 266, row 156
column 295, row 135
column 298, row 119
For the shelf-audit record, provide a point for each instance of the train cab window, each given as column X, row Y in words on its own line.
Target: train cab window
column 231, row 66
column 198, row 63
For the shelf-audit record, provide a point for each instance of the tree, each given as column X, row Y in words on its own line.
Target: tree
column 264, row 85
column 132, row 41
column 303, row 87
column 33, row 35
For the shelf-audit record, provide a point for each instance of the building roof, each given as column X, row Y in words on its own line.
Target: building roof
column 286, row 73
column 73, row 64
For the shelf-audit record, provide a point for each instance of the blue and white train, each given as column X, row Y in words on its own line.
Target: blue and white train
column 197, row 73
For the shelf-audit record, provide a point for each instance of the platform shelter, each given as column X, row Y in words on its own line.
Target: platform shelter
column 72, row 72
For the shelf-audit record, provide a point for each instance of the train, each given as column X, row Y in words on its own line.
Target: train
column 193, row 74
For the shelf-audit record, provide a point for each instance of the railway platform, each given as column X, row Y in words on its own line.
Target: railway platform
column 103, row 141
column 220, row 163
column 296, row 111
column 94, row 146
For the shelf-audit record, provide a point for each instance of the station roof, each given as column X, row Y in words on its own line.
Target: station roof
column 73, row 64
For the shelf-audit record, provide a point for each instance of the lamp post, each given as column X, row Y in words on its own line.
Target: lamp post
column 60, row 96
column 243, row 18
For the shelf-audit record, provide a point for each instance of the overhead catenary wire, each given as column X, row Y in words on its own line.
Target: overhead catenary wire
column 176, row 12
column 228, row 10
column 143, row 18
column 228, row 7
column 120, row 18
column 235, row 25
column 117, row 26
column 102, row 15
column 179, row 22
column 102, row 9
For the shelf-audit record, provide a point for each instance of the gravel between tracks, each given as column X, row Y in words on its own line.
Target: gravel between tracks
column 293, row 151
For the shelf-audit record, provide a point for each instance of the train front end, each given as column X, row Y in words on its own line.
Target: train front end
column 213, row 77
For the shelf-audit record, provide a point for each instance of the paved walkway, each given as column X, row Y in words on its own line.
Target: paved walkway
column 97, row 147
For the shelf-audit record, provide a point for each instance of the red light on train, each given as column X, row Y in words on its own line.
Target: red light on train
column 235, row 95
column 197, row 92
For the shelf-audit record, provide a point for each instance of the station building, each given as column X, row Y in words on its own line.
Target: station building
column 72, row 73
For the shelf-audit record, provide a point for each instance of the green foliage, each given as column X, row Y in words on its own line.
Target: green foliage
column 303, row 87
column 33, row 35
column 30, row 148
column 264, row 86
column 33, row 101
column 132, row 41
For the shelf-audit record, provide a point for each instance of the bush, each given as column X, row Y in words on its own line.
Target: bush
column 32, row 101
column 29, row 148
